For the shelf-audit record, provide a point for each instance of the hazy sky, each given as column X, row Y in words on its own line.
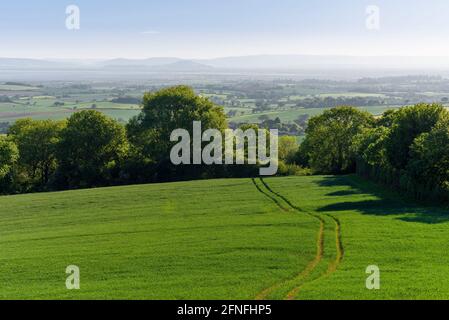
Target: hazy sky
column 215, row 28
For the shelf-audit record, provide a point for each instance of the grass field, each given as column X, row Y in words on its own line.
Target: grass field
column 293, row 114
column 6, row 87
column 280, row 238
column 43, row 109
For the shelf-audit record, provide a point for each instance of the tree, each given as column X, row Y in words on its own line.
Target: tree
column 9, row 155
column 90, row 150
column 328, row 144
column 408, row 123
column 165, row 111
column 288, row 147
column 429, row 160
column 369, row 145
column 36, row 141
column 387, row 118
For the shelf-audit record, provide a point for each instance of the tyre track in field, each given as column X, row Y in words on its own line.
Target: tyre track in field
column 333, row 266
column 339, row 245
column 274, row 199
column 320, row 240
column 302, row 277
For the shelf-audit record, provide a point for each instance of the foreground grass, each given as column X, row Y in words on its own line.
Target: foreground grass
column 407, row 242
column 211, row 239
column 224, row 239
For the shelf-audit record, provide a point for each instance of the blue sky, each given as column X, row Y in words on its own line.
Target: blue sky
column 213, row 28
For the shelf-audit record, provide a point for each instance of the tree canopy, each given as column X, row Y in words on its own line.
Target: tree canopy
column 408, row 123
column 328, row 144
column 408, row 150
column 169, row 109
column 36, row 141
column 90, row 148
column 9, row 154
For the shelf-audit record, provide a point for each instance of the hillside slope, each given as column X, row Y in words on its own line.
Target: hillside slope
column 209, row 239
column 281, row 238
column 407, row 242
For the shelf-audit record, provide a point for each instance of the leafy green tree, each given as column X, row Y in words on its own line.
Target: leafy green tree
column 9, row 154
column 387, row 118
column 163, row 112
column 288, row 147
column 407, row 125
column 429, row 158
column 90, row 150
column 302, row 156
column 36, row 141
column 328, row 144
column 369, row 145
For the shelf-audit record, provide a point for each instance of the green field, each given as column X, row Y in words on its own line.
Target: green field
column 281, row 238
column 293, row 114
column 43, row 108
column 13, row 87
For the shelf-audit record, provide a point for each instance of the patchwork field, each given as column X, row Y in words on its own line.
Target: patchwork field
column 293, row 114
column 277, row 238
column 43, row 109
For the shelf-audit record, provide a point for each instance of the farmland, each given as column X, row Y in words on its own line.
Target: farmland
column 293, row 114
column 59, row 103
column 244, row 100
column 277, row 238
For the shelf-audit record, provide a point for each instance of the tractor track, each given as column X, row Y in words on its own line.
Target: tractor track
column 303, row 275
column 271, row 194
column 333, row 266
column 276, row 201
column 339, row 245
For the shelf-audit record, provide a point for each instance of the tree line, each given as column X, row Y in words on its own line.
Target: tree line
column 90, row 149
column 406, row 149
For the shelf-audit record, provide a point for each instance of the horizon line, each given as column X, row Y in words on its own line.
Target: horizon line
column 225, row 57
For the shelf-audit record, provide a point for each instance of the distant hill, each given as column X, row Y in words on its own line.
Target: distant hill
column 156, row 65
column 255, row 62
column 184, row 65
column 324, row 61
column 151, row 62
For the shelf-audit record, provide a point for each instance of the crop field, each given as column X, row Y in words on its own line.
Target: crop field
column 247, row 102
column 292, row 114
column 277, row 238
column 41, row 103
column 16, row 87
column 45, row 108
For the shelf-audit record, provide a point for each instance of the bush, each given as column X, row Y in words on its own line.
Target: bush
column 292, row 170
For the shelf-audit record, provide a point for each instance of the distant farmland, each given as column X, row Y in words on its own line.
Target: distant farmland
column 45, row 108
column 293, row 114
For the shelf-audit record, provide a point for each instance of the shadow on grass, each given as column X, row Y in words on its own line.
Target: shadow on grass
column 343, row 193
column 387, row 203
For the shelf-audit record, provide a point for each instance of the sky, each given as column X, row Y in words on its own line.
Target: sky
column 218, row 28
